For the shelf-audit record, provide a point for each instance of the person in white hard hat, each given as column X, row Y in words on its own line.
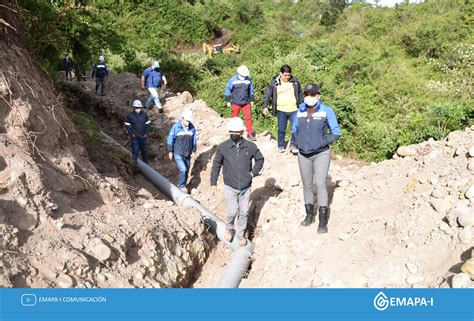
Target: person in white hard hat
column 153, row 79
column 99, row 72
column 242, row 160
column 240, row 87
column 138, row 126
column 181, row 144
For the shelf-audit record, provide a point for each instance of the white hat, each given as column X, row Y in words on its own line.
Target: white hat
column 101, row 58
column 187, row 115
column 137, row 104
column 235, row 125
column 243, row 71
column 156, row 64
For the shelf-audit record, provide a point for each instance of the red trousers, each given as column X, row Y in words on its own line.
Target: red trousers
column 248, row 116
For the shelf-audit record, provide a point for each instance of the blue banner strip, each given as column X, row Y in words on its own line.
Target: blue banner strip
column 236, row 304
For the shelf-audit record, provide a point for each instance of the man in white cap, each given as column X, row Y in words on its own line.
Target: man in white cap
column 138, row 126
column 181, row 144
column 242, row 160
column 240, row 87
column 99, row 72
column 153, row 79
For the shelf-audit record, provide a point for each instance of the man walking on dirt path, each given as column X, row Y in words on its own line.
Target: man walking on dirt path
column 181, row 144
column 241, row 89
column 99, row 72
column 138, row 126
column 152, row 80
column 67, row 62
column 285, row 93
column 242, row 160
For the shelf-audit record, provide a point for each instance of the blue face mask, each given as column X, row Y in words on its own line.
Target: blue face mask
column 311, row 101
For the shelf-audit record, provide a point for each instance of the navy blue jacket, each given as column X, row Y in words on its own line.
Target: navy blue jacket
column 138, row 125
column 310, row 134
column 99, row 70
column 67, row 63
column 182, row 141
column 241, row 90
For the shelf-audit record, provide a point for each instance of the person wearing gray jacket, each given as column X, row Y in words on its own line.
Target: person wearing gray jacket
column 241, row 161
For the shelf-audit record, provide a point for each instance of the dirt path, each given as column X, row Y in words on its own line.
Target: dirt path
column 388, row 220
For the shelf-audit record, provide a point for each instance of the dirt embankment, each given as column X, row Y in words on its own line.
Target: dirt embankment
column 68, row 217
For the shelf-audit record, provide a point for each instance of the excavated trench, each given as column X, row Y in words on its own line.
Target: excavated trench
column 110, row 120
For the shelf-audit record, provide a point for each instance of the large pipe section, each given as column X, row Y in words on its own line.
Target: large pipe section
column 241, row 256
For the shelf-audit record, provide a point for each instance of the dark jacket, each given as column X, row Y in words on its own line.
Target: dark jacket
column 310, row 134
column 271, row 92
column 237, row 162
column 181, row 141
column 241, row 90
column 67, row 63
column 138, row 125
column 99, row 70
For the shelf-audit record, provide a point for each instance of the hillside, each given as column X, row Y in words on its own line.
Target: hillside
column 73, row 213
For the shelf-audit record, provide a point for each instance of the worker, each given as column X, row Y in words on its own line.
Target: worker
column 313, row 120
column 181, row 144
column 153, row 79
column 242, row 160
column 284, row 91
column 138, row 126
column 99, row 72
column 68, row 64
column 241, row 89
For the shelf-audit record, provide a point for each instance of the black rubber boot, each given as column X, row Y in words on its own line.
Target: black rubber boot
column 323, row 219
column 309, row 219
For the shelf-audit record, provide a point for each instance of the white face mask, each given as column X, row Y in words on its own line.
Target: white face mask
column 311, row 101
column 240, row 77
column 137, row 110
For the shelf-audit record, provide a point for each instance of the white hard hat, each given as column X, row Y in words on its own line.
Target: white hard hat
column 187, row 115
column 156, row 64
column 235, row 125
column 101, row 58
column 137, row 104
column 243, row 71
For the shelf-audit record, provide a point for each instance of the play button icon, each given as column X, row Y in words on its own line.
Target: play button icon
column 28, row 300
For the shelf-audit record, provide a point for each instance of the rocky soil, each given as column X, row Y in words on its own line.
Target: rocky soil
column 405, row 222
column 70, row 216
column 74, row 214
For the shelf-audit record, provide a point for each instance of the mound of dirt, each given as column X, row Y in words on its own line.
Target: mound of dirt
column 63, row 222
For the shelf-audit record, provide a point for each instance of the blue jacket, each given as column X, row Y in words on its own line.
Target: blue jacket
column 241, row 90
column 310, row 134
column 153, row 78
column 182, row 141
column 99, row 70
column 138, row 125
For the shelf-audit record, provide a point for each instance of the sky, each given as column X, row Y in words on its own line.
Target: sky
column 391, row 3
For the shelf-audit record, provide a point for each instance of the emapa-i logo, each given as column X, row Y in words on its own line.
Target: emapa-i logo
column 382, row 302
